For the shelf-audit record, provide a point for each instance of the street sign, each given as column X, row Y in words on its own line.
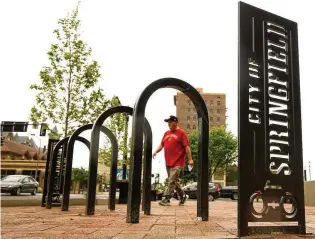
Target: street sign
column 9, row 126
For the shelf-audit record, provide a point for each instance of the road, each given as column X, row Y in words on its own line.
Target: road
column 38, row 196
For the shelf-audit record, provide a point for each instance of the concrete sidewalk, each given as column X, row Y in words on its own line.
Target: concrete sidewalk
column 165, row 222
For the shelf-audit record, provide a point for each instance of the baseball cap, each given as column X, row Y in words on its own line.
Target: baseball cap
column 171, row 118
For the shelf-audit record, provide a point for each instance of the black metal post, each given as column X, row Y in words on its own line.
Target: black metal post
column 52, row 172
column 51, row 145
column 113, row 168
column 305, row 176
column 137, row 147
column 94, row 154
column 147, row 169
column 63, row 158
column 68, row 171
column 124, row 175
column 67, row 183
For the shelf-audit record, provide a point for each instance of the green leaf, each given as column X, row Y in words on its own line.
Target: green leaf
column 68, row 94
column 222, row 151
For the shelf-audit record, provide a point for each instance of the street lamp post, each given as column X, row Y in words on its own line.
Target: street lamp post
column 309, row 165
column 40, row 142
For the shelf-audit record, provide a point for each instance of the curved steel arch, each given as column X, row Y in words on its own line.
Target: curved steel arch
column 53, row 165
column 137, row 146
column 70, row 149
column 95, row 135
column 147, row 169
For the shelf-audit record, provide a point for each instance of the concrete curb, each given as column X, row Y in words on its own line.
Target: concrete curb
column 34, row 202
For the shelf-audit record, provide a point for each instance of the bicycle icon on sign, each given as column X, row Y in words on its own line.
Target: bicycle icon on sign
column 274, row 198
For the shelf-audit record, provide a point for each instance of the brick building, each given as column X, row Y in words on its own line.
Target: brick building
column 188, row 120
column 187, row 115
column 18, row 158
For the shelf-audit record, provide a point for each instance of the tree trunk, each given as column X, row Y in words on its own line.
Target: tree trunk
column 68, row 106
column 69, row 94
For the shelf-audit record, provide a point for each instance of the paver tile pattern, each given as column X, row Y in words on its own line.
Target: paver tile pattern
column 164, row 222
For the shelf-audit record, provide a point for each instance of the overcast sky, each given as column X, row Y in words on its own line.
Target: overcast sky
column 137, row 42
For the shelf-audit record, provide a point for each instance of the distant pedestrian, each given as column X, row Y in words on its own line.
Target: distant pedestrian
column 176, row 147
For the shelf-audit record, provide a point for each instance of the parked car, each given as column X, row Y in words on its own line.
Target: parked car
column 229, row 192
column 16, row 184
column 191, row 191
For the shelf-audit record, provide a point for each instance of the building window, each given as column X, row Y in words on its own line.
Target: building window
column 211, row 111
column 218, row 119
column 189, row 102
column 188, row 126
column 188, row 117
column 7, row 172
column 194, row 126
column 218, row 97
column 188, row 109
column 194, row 118
column 211, row 102
column 194, row 109
column 218, row 102
column 211, row 119
column 218, row 111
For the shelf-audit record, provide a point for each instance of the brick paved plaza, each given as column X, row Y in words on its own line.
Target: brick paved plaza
column 165, row 222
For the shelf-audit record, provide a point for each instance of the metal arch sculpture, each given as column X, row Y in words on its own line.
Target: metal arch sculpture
column 66, row 187
column 94, row 159
column 137, row 146
column 147, row 169
column 53, row 165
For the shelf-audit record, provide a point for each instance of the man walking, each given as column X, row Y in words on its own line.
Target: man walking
column 176, row 146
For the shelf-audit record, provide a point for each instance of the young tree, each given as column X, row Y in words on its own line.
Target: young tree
column 232, row 175
column 68, row 95
column 118, row 124
column 222, row 150
column 81, row 176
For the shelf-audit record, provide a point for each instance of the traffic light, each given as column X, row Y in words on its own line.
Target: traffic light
column 43, row 128
column 2, row 141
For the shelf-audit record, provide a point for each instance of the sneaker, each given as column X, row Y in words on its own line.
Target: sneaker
column 165, row 202
column 183, row 200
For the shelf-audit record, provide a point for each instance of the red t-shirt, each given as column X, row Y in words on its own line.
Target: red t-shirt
column 174, row 143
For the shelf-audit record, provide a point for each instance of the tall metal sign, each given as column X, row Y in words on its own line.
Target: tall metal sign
column 51, row 145
column 270, row 137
